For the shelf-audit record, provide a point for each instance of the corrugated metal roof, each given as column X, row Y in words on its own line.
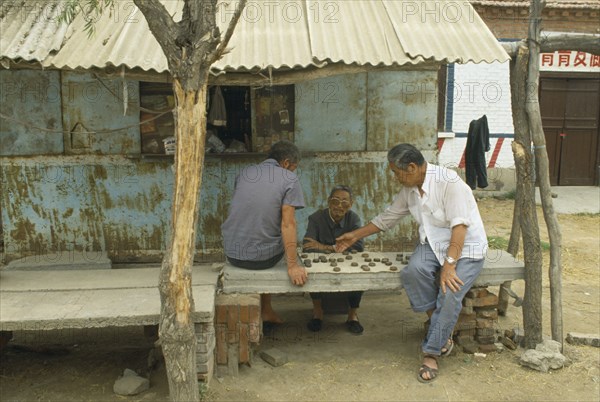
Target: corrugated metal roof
column 30, row 30
column 277, row 34
column 575, row 4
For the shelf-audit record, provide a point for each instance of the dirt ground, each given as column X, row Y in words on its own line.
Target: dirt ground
column 335, row 365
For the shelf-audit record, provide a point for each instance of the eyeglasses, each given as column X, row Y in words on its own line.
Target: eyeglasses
column 336, row 202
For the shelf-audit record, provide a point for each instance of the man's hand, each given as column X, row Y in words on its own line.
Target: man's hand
column 449, row 278
column 312, row 244
column 297, row 274
column 345, row 241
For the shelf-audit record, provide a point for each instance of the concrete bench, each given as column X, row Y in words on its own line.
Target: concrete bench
column 39, row 300
column 499, row 267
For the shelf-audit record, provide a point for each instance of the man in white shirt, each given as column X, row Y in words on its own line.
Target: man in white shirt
column 452, row 245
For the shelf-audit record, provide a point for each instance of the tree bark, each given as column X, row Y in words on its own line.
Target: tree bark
column 191, row 46
column 551, row 42
column 525, row 203
column 542, row 170
column 176, row 329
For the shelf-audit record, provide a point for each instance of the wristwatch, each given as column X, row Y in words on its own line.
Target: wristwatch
column 450, row 260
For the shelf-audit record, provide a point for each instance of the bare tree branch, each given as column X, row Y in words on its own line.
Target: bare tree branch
column 553, row 41
column 161, row 25
column 218, row 53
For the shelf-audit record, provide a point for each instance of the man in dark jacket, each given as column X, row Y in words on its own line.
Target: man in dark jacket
column 324, row 227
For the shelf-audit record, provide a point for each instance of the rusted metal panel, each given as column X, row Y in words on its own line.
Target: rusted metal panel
column 32, row 97
column 53, row 204
column 94, row 115
column 123, row 207
column 402, row 108
column 331, row 114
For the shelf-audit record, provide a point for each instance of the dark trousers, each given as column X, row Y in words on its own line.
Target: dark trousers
column 256, row 265
column 353, row 297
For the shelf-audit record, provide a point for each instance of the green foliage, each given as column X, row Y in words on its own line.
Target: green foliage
column 497, row 242
column 588, row 214
column 91, row 10
column 545, row 245
column 204, row 393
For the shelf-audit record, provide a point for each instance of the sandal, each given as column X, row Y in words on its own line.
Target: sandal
column 354, row 327
column 447, row 348
column 433, row 372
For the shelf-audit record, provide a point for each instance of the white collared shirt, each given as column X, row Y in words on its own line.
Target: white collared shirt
column 447, row 201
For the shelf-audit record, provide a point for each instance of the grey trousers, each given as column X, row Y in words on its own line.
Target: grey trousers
column 419, row 281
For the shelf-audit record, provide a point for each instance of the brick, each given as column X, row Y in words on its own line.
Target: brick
column 475, row 293
column 221, row 314
column 490, row 313
column 485, row 323
column 254, row 315
column 232, row 317
column 485, row 340
column 466, row 325
column 254, row 333
column 205, row 371
column 274, row 357
column 470, row 347
column 221, row 345
column 466, row 317
column 467, row 310
column 488, row 348
column 467, row 332
column 509, row 343
column 244, row 352
column 489, row 300
column 464, row 339
column 486, row 331
column 202, row 357
column 233, row 336
column 244, row 314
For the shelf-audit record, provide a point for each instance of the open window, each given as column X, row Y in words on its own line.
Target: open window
column 239, row 118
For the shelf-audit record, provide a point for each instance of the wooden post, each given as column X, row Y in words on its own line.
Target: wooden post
column 525, row 203
column 542, row 169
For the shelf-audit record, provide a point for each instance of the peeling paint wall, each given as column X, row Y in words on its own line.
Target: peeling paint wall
column 36, row 96
column 122, row 205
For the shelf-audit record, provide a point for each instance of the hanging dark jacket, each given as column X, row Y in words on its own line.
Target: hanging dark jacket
column 478, row 143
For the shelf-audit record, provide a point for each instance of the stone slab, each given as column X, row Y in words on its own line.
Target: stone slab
column 498, row 268
column 91, row 298
column 124, row 278
column 576, row 338
column 66, row 260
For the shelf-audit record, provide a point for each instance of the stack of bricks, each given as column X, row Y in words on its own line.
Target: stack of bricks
column 475, row 329
column 238, row 327
column 205, row 350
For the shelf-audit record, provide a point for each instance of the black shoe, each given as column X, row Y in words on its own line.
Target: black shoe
column 315, row 325
column 354, row 327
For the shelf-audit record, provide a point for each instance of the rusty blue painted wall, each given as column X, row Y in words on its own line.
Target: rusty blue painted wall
column 94, row 113
column 35, row 96
column 331, row 114
column 122, row 205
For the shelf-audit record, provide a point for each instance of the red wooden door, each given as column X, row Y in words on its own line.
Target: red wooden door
column 571, row 118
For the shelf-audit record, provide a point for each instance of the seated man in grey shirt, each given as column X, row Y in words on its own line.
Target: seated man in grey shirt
column 261, row 226
column 324, row 227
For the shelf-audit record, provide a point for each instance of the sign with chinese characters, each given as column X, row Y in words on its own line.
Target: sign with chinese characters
column 570, row 60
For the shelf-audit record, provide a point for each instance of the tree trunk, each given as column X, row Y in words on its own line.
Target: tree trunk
column 176, row 328
column 525, row 203
column 542, row 170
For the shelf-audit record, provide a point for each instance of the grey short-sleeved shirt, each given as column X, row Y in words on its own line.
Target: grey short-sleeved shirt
column 252, row 231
